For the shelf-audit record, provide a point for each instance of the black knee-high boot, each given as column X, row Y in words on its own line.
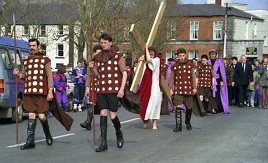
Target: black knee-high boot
column 45, row 126
column 30, row 133
column 103, row 127
column 87, row 123
column 188, row 118
column 206, row 106
column 178, row 118
column 119, row 133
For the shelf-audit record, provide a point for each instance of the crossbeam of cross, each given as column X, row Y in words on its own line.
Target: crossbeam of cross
column 134, row 32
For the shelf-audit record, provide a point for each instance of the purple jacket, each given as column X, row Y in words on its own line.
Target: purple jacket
column 60, row 82
column 76, row 72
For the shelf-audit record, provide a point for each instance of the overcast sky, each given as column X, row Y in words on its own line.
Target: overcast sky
column 252, row 4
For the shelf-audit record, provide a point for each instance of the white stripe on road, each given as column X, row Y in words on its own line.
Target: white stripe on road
column 61, row 136
column 56, row 137
column 130, row 120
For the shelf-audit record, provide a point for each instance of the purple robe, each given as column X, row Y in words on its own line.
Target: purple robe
column 60, row 84
column 223, row 90
column 170, row 63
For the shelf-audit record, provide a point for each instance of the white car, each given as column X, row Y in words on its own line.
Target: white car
column 70, row 91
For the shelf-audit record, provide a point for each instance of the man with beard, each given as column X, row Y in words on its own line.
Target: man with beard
column 220, row 92
column 38, row 88
column 149, row 90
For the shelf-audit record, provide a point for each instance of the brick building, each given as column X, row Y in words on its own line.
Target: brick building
column 200, row 27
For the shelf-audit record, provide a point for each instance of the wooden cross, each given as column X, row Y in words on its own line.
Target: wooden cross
column 137, row 37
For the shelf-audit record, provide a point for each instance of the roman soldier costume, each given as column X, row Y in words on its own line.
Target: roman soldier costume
column 182, row 82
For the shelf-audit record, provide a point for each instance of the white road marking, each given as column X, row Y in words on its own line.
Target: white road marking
column 56, row 137
column 130, row 120
column 61, row 136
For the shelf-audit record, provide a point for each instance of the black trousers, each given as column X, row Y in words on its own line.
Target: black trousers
column 242, row 93
column 218, row 97
column 233, row 94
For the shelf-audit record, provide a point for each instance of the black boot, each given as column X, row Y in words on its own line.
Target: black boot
column 178, row 114
column 103, row 127
column 87, row 123
column 45, row 126
column 188, row 118
column 30, row 133
column 119, row 133
column 206, row 107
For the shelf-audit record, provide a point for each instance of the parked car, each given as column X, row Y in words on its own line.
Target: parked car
column 7, row 80
column 70, row 91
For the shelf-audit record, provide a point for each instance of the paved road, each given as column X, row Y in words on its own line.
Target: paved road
column 241, row 136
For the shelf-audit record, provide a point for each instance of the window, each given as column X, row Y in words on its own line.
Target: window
column 5, row 58
column 126, row 32
column 24, row 54
column 43, row 48
column 12, row 57
column 60, row 50
column 193, row 54
column 43, row 30
column 60, row 29
column 194, row 26
column 9, row 30
column 171, row 30
column 170, row 54
column 255, row 30
column 217, row 30
column 265, row 41
column 25, row 30
column 246, row 32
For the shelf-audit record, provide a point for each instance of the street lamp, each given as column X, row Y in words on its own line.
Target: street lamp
column 225, row 29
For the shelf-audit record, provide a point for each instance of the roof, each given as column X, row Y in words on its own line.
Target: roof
column 206, row 10
column 66, row 13
column 49, row 14
column 9, row 42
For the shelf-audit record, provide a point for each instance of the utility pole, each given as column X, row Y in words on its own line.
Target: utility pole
column 225, row 30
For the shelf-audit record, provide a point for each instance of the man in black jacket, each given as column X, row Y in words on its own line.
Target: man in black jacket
column 243, row 76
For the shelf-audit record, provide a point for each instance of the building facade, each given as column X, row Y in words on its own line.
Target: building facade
column 195, row 27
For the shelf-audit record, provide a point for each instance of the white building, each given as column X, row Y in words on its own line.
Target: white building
column 51, row 26
column 262, row 31
column 245, row 32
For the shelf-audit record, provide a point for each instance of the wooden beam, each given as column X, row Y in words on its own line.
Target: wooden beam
column 137, row 37
column 138, row 74
column 166, row 90
column 156, row 24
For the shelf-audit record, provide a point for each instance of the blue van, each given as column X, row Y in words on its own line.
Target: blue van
column 7, row 79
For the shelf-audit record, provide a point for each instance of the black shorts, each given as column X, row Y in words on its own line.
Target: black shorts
column 107, row 101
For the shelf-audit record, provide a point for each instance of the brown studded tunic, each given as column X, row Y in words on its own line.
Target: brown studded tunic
column 35, row 75
column 110, row 65
column 204, row 74
column 38, row 79
column 183, row 79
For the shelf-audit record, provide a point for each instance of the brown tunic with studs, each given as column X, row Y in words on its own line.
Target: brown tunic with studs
column 204, row 74
column 182, row 82
column 38, row 79
column 110, row 65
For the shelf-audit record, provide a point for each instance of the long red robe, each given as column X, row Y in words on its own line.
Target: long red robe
column 144, row 91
